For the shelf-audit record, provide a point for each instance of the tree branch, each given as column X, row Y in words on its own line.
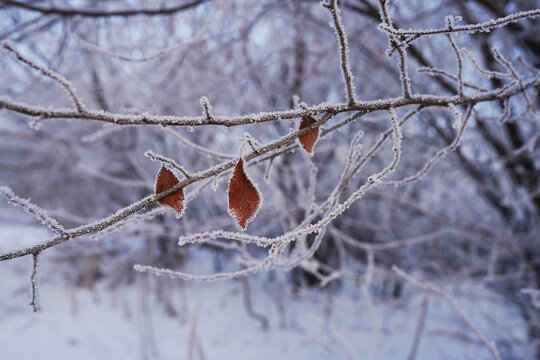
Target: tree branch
column 8, row 45
column 99, row 13
column 343, row 50
column 172, row 120
column 430, row 287
column 485, row 26
column 151, row 199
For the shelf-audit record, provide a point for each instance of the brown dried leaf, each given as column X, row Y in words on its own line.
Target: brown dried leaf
column 308, row 140
column 244, row 197
column 165, row 180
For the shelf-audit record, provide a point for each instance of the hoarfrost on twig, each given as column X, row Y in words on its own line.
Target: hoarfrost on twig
column 38, row 212
column 440, row 154
column 343, row 49
column 485, row 26
column 81, row 108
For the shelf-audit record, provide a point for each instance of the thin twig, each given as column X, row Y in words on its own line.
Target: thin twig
column 460, row 64
column 319, row 226
column 151, row 199
column 81, row 108
column 34, row 301
column 440, row 154
column 419, row 329
column 38, row 212
column 366, row 106
column 488, row 73
column 343, row 50
column 438, row 72
column 430, row 287
column 485, row 26
column 168, row 161
column 405, row 79
column 248, row 305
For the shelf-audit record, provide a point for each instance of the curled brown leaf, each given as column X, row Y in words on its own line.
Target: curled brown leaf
column 244, row 197
column 308, row 140
column 165, row 180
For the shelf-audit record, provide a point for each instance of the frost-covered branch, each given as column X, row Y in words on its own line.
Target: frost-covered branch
column 484, row 26
column 459, row 61
column 488, row 73
column 180, row 275
column 367, row 106
column 81, row 108
column 440, row 154
column 318, row 196
column 167, row 161
column 394, row 243
column 404, row 72
column 308, row 228
column 430, row 287
column 27, row 206
column 151, row 199
column 33, row 286
column 343, row 50
column 507, row 64
column 442, row 73
column 374, row 148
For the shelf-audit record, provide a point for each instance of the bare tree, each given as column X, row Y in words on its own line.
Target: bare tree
column 399, row 137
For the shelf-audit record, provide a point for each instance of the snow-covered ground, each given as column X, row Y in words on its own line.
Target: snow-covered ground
column 210, row 320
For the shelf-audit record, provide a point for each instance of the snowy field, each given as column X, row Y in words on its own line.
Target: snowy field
column 211, row 320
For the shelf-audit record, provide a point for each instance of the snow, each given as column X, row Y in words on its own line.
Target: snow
column 14, row 237
column 77, row 323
